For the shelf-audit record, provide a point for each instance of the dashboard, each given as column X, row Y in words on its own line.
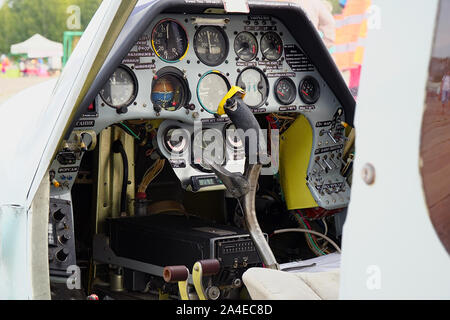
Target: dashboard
column 183, row 65
column 181, row 68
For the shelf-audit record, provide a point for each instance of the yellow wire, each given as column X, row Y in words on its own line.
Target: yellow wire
column 151, row 174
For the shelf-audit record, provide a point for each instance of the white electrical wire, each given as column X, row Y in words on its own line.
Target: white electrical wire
column 326, row 227
column 312, row 232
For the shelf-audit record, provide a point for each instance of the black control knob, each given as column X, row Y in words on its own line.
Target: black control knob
column 58, row 215
column 122, row 110
column 62, row 255
column 64, row 238
column 190, row 106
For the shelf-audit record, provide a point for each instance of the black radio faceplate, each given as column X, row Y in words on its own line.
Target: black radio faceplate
column 236, row 252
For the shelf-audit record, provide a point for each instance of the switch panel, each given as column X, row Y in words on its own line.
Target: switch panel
column 61, row 243
column 325, row 181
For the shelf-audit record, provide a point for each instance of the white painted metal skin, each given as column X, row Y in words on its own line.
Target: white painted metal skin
column 390, row 248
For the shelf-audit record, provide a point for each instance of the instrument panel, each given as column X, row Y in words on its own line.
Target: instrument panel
column 181, row 67
column 180, row 60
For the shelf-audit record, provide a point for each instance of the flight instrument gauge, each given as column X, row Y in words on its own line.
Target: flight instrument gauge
column 207, row 144
column 211, row 89
column 169, row 40
column 285, row 90
column 256, row 86
column 211, row 45
column 309, row 90
column 175, row 140
column 246, row 46
column 271, row 46
column 121, row 88
column 232, row 137
column 170, row 90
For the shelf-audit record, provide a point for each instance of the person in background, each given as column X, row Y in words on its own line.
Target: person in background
column 22, row 68
column 445, row 89
column 319, row 13
column 3, row 63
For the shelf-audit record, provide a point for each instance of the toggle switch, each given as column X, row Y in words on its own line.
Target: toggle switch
column 62, row 255
column 64, row 238
column 327, row 164
column 58, row 215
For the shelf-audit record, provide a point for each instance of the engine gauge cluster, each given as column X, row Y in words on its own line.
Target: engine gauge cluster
column 309, row 90
column 246, row 46
column 285, row 90
column 271, row 46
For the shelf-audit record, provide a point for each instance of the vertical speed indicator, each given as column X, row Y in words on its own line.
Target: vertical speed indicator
column 169, row 40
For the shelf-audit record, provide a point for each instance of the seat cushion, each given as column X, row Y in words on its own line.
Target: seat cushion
column 324, row 284
column 268, row 284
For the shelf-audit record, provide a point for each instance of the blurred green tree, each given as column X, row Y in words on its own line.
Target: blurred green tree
column 336, row 6
column 20, row 19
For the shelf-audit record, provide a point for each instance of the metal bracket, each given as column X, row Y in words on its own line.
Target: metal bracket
column 104, row 254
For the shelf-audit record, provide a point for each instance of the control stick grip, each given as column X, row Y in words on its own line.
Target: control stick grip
column 242, row 117
column 240, row 114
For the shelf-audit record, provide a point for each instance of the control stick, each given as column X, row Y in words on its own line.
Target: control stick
column 245, row 189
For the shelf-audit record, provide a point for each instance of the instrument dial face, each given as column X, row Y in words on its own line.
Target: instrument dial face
column 256, row 86
column 175, row 140
column 209, row 141
column 246, row 46
column 271, row 46
column 168, row 92
column 121, row 88
column 285, row 91
column 211, row 45
column 309, row 90
column 232, row 138
column 169, row 40
column 211, row 89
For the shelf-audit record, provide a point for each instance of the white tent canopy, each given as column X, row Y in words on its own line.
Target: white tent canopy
column 38, row 47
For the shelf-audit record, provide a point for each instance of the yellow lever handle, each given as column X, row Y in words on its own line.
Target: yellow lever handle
column 231, row 93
